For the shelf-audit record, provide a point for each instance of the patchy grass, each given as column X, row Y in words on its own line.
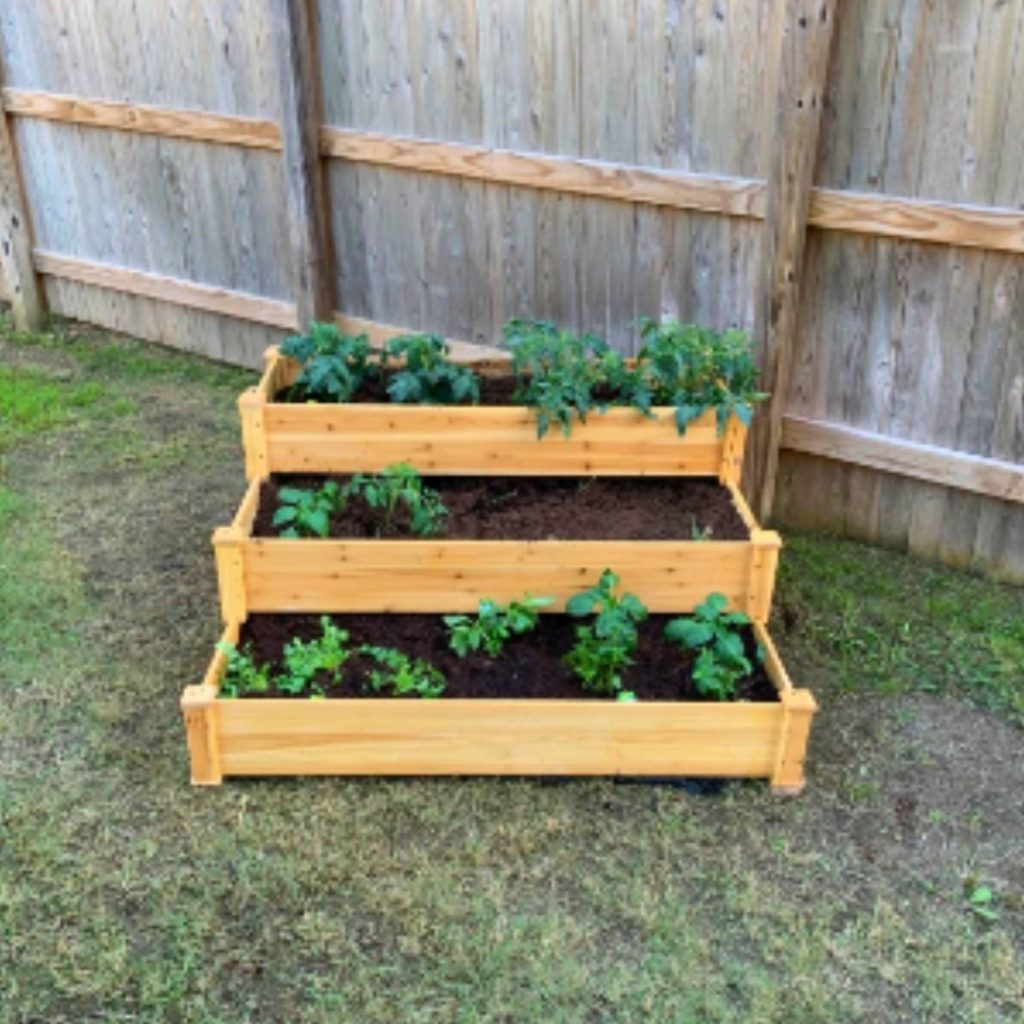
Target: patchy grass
column 884, row 621
column 125, row 895
column 32, row 401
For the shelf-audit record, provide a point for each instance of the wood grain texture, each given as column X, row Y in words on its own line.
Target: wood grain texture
column 17, row 274
column 948, row 223
column 175, row 290
column 495, row 737
column 144, row 119
column 453, row 576
column 737, row 197
column 804, row 47
column 305, row 188
column 991, row 477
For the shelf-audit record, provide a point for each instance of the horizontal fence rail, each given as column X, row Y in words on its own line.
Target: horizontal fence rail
column 831, row 209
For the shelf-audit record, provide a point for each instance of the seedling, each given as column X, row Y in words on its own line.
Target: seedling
column 333, row 364
column 242, row 675
column 307, row 513
column 305, row 661
column 695, row 369
column 603, row 650
column 714, row 632
column 493, row 625
column 403, row 675
column 558, row 373
column 397, row 488
column 428, row 377
column 699, row 532
column 980, row 899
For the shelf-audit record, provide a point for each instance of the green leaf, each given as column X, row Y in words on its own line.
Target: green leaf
column 982, row 894
column 689, row 632
column 319, row 521
column 580, row 604
column 712, row 606
column 686, row 413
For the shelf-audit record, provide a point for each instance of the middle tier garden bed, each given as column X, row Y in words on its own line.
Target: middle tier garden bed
column 672, row 542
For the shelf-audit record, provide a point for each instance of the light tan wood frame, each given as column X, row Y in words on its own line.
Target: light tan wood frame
column 281, row 437
column 270, row 574
column 371, row 736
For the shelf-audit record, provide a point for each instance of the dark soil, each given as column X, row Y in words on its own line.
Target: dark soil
column 538, row 508
column 494, row 390
column 530, row 666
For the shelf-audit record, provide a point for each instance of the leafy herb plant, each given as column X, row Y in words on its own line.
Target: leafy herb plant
column 402, row 675
column 398, row 489
column 333, row 364
column 242, row 675
column 604, row 649
column 561, row 375
column 427, row 375
column 714, row 632
column 695, row 369
column 307, row 513
column 493, row 625
column 305, row 661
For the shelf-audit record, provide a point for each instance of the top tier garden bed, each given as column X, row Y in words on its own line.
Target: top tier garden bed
column 283, row 437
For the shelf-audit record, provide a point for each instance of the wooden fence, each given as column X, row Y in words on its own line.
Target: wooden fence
column 843, row 177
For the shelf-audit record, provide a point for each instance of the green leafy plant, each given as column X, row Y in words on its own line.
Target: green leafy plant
column 604, row 649
column 333, row 364
column 402, row 675
column 980, row 900
column 493, row 625
column 427, row 376
column 242, row 675
column 714, row 632
column 307, row 513
column 561, row 375
column 304, row 661
column 695, row 369
column 400, row 488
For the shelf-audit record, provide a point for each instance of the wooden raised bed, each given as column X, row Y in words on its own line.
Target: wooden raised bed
column 371, row 736
column 311, row 575
column 281, row 437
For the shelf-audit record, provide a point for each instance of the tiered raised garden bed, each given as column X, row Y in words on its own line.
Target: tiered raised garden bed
column 269, row 575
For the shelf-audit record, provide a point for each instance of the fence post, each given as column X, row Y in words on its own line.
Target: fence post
column 304, row 176
column 21, row 284
column 804, row 30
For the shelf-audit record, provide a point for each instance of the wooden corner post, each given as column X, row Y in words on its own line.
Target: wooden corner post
column 804, row 31
column 227, row 548
column 199, row 706
column 304, row 176
column 798, row 708
column 252, row 408
column 20, row 283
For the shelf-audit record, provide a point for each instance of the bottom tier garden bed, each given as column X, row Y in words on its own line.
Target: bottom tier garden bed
column 542, row 724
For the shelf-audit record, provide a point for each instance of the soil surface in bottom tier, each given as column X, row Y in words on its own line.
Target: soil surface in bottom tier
column 529, row 666
column 543, row 508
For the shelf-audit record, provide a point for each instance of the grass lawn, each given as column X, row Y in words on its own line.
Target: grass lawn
column 126, row 895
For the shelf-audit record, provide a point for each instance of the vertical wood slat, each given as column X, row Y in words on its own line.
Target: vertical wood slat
column 305, row 186
column 804, row 44
column 20, row 284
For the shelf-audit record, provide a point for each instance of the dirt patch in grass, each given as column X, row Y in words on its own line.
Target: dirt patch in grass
column 126, row 895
